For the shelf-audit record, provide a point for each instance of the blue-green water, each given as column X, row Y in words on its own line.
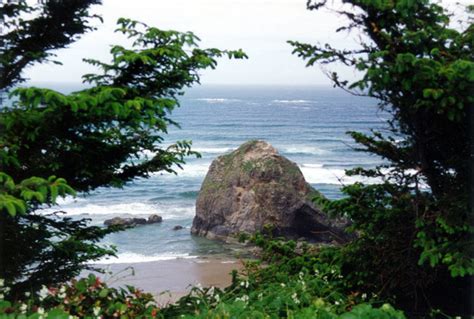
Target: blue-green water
column 306, row 124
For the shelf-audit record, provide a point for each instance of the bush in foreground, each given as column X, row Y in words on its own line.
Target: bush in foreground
column 91, row 298
column 295, row 281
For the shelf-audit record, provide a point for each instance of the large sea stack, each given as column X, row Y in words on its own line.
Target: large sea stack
column 255, row 186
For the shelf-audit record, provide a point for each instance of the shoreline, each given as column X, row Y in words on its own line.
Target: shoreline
column 169, row 280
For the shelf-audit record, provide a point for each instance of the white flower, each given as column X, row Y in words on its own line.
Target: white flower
column 295, row 298
column 2, row 296
column 211, row 291
column 337, row 303
column 364, row 296
column 62, row 292
column 244, row 298
column 303, row 287
column 40, row 311
column 217, row 297
column 6, row 289
column 23, row 308
column 283, row 285
column 96, row 311
column 244, row 284
column 2, row 282
column 27, row 294
column 43, row 293
column 300, row 275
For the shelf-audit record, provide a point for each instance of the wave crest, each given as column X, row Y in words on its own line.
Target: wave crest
column 213, row 100
column 294, row 101
column 131, row 258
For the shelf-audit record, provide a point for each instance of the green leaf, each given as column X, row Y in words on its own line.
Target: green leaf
column 103, row 293
column 9, row 207
column 54, row 192
column 57, row 314
column 81, row 286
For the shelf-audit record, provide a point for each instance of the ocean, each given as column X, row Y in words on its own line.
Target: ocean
column 308, row 125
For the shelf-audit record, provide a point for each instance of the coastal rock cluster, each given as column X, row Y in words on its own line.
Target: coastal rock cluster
column 119, row 221
column 254, row 186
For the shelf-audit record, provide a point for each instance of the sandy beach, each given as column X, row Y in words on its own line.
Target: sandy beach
column 170, row 279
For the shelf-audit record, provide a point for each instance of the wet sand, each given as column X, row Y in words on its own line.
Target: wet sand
column 171, row 279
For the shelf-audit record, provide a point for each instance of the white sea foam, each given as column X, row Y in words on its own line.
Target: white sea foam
column 293, row 101
column 318, row 174
column 303, row 150
column 315, row 174
column 124, row 209
column 106, row 209
column 189, row 170
column 131, row 258
column 176, row 212
column 147, row 153
column 312, row 165
column 69, row 200
column 212, row 150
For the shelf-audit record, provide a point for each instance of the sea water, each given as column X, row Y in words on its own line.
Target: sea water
column 308, row 125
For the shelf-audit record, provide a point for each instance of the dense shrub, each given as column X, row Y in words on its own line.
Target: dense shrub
column 290, row 281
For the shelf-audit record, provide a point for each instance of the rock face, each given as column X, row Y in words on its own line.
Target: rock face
column 254, row 186
column 152, row 219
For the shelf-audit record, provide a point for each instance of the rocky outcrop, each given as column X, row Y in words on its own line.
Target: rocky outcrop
column 255, row 186
column 131, row 222
column 153, row 219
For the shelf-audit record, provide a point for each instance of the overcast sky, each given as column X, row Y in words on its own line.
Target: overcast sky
column 259, row 27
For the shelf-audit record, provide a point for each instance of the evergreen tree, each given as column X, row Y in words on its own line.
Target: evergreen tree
column 54, row 144
column 414, row 230
column 28, row 33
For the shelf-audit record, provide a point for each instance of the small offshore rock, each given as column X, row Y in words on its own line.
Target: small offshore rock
column 119, row 221
column 138, row 221
column 153, row 219
column 114, row 221
column 178, row 227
